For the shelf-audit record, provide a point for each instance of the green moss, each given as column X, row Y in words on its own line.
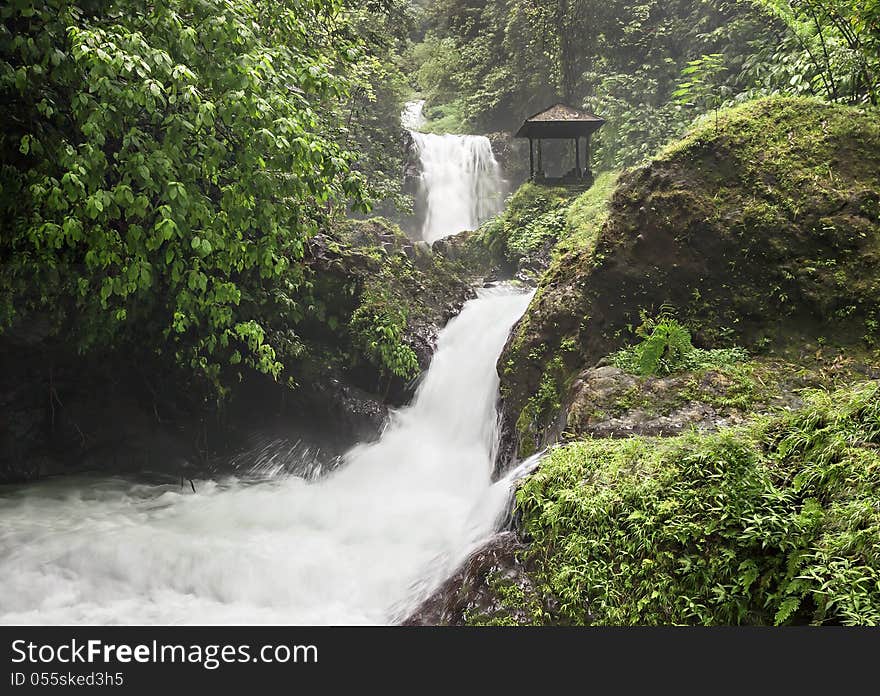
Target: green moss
column 634, row 398
column 548, row 220
column 518, row 605
column 741, row 386
column 379, row 293
column 542, row 407
column 525, row 432
column 772, row 523
column 586, row 215
column 793, row 140
column 533, row 217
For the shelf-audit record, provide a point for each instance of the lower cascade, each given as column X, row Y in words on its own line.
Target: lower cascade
column 461, row 182
column 362, row 545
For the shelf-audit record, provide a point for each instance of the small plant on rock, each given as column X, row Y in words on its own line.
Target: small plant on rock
column 378, row 328
column 667, row 348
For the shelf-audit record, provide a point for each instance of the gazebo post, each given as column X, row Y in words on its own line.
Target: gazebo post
column 587, row 154
column 531, row 159
column 540, row 158
column 577, row 155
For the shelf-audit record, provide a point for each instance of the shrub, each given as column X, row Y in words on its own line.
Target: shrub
column 378, row 326
column 163, row 163
column 666, row 348
column 773, row 523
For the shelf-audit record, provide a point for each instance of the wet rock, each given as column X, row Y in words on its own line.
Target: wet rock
column 608, row 402
column 493, row 586
column 348, row 407
column 512, row 155
column 442, row 247
column 477, row 260
column 641, row 422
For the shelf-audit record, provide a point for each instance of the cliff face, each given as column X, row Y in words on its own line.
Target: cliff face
column 763, row 231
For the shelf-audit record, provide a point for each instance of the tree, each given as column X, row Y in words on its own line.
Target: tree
column 701, row 83
column 841, row 40
column 164, row 164
column 502, row 60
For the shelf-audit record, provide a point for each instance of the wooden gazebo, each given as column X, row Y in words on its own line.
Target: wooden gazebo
column 560, row 122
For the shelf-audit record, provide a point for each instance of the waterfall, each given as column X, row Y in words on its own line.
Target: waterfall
column 460, row 185
column 360, row 545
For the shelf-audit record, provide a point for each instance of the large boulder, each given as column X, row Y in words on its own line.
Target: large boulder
column 763, row 230
column 493, row 587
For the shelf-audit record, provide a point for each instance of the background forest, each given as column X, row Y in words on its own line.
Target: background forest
column 486, row 66
column 163, row 170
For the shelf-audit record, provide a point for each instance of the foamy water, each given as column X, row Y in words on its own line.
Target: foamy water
column 361, row 545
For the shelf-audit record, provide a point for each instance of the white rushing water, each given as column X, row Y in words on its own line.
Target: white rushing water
column 361, row 545
column 461, row 181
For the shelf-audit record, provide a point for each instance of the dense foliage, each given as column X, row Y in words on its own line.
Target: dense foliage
column 773, row 523
column 372, row 120
column 489, row 65
column 837, row 46
column 163, row 166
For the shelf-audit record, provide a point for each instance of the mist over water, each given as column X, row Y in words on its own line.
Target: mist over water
column 461, row 183
column 363, row 544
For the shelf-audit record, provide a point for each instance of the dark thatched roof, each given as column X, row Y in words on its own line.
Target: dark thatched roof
column 560, row 121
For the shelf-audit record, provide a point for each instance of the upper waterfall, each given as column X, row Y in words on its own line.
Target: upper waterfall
column 460, row 185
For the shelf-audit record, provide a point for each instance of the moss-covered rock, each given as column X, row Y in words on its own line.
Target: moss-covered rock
column 531, row 223
column 606, row 401
column 385, row 299
column 494, row 587
column 540, row 221
column 763, row 231
column 467, row 250
column 775, row 522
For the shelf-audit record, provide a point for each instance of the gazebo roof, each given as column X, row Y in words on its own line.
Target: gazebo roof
column 560, row 121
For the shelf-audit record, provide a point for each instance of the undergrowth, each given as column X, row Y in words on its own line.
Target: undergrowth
column 540, row 220
column 667, row 348
column 534, row 216
column 771, row 523
column 378, row 326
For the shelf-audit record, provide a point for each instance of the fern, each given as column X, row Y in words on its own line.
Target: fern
column 788, row 607
column 650, row 353
column 715, row 528
column 667, row 348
